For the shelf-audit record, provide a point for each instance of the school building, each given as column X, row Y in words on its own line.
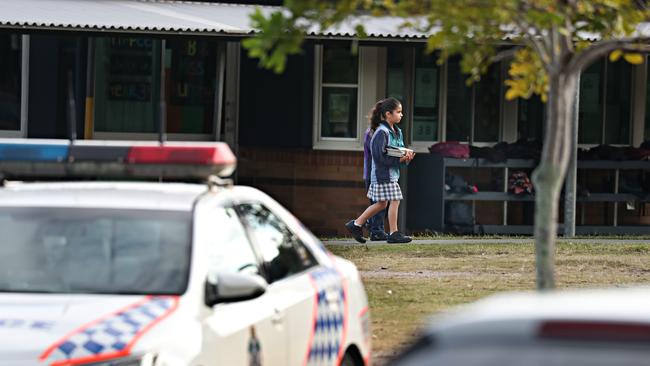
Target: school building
column 120, row 69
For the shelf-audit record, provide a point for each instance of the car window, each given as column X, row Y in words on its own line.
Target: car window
column 283, row 253
column 93, row 250
column 231, row 251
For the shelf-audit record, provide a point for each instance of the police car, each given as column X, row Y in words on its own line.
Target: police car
column 98, row 272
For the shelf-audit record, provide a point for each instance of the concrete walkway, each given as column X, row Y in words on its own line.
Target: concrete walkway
column 504, row 240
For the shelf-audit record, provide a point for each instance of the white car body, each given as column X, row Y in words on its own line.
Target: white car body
column 315, row 317
column 567, row 327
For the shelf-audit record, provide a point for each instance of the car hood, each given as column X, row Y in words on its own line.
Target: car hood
column 40, row 329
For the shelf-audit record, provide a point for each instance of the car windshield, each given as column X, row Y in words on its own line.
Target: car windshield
column 91, row 250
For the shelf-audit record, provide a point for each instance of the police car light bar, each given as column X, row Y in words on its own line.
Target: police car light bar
column 24, row 158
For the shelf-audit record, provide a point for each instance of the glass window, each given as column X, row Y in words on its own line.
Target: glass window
column 396, row 75
column 283, row 253
column 127, row 81
column 339, row 92
column 190, row 69
column 487, row 113
column 425, row 99
column 647, row 104
column 479, row 103
column 92, row 250
column 590, row 126
column 231, row 251
column 619, row 103
column 459, row 101
column 340, row 66
column 605, row 117
column 530, row 118
column 10, row 81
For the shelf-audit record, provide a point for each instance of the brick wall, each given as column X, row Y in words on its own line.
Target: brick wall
column 324, row 189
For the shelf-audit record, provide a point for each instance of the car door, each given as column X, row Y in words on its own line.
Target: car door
column 300, row 284
column 249, row 332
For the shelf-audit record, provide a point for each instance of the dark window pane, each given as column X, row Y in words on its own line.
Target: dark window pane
column 396, row 77
column 487, row 105
column 617, row 112
column 531, row 116
column 590, row 126
column 459, row 104
column 127, row 80
column 190, row 86
column 339, row 112
column 647, row 105
column 340, row 65
column 10, row 81
column 425, row 100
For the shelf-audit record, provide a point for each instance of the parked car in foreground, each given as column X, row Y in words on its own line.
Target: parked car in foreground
column 149, row 273
column 568, row 328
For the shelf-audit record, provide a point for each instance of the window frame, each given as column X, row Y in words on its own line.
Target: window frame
column 24, row 90
column 366, row 97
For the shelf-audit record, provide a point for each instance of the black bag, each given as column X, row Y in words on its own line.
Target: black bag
column 456, row 184
column 459, row 213
column 490, row 153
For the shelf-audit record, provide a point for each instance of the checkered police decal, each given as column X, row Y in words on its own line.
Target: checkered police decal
column 330, row 318
column 113, row 335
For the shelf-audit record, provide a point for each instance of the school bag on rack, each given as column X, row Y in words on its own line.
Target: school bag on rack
column 450, row 149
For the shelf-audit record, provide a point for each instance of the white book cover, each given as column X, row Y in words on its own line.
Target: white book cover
column 397, row 152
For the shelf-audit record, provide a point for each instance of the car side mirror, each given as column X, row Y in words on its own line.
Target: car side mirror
column 232, row 287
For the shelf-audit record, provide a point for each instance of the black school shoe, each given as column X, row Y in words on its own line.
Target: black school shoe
column 398, row 237
column 356, row 231
column 380, row 236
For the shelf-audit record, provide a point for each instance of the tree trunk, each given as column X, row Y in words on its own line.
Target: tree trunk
column 549, row 174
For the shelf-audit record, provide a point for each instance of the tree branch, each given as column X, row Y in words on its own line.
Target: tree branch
column 533, row 39
column 602, row 48
column 504, row 55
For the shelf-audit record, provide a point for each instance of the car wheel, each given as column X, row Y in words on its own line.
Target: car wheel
column 348, row 360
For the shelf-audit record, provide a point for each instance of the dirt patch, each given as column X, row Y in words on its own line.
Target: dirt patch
column 386, row 273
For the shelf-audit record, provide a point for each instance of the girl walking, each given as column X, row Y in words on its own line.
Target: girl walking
column 384, row 174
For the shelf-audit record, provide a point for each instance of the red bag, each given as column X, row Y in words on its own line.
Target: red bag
column 450, row 149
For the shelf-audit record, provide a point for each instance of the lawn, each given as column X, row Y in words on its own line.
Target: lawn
column 406, row 283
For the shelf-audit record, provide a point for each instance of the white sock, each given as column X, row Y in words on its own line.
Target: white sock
column 355, row 224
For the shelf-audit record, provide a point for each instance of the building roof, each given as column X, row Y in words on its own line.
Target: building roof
column 165, row 17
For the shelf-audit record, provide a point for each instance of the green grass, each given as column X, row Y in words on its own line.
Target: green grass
column 446, row 236
column 407, row 283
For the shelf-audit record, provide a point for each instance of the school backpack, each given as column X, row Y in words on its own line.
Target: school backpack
column 450, row 149
column 519, row 183
column 459, row 214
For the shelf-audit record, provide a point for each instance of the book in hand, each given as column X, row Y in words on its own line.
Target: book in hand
column 397, row 152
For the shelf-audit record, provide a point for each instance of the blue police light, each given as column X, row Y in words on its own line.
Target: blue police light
column 33, row 151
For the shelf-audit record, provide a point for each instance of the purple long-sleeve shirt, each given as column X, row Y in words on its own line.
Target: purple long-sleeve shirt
column 367, row 155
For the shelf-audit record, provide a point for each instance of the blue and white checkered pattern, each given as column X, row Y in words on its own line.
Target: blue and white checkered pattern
column 385, row 192
column 114, row 333
column 330, row 318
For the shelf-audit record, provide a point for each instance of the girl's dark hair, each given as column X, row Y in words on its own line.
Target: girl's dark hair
column 378, row 112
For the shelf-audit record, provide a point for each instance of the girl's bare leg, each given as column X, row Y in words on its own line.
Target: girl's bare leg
column 370, row 212
column 392, row 216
